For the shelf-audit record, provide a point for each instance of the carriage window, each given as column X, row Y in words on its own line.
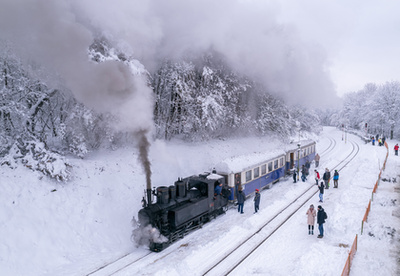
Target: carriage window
column 275, row 164
column 270, row 166
column 263, row 169
column 281, row 162
column 256, row 172
column 248, row 176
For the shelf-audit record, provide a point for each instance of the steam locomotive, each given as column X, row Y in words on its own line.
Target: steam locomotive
column 191, row 201
column 183, row 207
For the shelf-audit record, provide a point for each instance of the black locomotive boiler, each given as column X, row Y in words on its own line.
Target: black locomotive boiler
column 183, row 207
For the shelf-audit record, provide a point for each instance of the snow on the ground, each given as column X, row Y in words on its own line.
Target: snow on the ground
column 47, row 228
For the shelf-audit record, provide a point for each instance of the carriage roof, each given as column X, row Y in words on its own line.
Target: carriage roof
column 244, row 162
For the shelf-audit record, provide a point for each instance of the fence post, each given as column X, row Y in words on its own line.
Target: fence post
column 362, row 226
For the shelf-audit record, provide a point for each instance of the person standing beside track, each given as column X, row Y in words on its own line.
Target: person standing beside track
column 335, row 179
column 241, row 197
column 257, row 198
column 311, row 214
column 321, row 217
column 316, row 158
column 317, row 178
column 396, row 149
column 303, row 173
column 326, row 177
column 321, row 191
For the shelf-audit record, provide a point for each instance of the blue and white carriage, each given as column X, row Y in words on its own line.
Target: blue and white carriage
column 261, row 170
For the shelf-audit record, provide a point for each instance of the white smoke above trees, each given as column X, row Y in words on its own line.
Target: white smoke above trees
column 57, row 34
column 47, row 32
column 247, row 33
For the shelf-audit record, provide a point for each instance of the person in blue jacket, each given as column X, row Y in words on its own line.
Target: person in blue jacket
column 257, row 198
column 218, row 189
column 335, row 179
column 241, row 197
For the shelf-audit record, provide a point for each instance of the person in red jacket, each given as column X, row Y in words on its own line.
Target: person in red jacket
column 317, row 178
column 396, row 149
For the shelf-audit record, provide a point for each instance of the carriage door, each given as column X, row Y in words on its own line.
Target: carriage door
column 291, row 160
column 238, row 183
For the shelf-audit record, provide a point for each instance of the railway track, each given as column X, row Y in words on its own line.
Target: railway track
column 236, row 256
column 118, row 264
column 332, row 145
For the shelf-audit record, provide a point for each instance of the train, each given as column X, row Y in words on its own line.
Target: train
column 192, row 201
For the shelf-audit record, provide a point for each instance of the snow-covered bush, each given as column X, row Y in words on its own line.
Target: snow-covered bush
column 35, row 156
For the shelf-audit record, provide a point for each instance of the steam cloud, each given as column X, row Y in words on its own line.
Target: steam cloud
column 142, row 235
column 58, row 33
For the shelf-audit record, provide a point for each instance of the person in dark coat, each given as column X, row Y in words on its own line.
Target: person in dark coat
column 241, row 197
column 257, row 198
column 294, row 176
column 308, row 165
column 321, row 191
column 303, row 173
column 335, row 179
column 326, row 177
column 321, row 217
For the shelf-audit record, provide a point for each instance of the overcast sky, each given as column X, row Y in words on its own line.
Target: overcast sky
column 361, row 37
column 306, row 52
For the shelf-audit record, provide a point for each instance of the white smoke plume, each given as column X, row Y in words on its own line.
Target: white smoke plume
column 145, row 235
column 247, row 32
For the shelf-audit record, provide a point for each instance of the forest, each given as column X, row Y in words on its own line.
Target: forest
column 196, row 98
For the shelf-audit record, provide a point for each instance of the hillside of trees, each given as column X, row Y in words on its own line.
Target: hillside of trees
column 374, row 106
column 195, row 98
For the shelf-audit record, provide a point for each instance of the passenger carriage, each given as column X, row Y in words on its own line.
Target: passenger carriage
column 250, row 172
column 261, row 170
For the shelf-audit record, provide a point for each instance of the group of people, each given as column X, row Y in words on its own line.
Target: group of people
column 321, row 217
column 322, row 185
column 325, row 184
column 311, row 212
column 381, row 141
column 241, row 197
